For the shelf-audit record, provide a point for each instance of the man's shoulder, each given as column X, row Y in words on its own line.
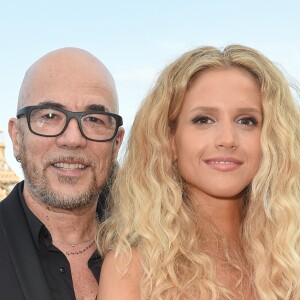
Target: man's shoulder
column 9, row 215
column 11, row 211
column 13, row 196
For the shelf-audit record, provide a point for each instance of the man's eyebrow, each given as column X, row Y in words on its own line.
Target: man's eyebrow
column 92, row 107
column 96, row 107
column 51, row 104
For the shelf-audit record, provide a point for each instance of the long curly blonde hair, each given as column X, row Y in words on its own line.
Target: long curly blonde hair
column 149, row 207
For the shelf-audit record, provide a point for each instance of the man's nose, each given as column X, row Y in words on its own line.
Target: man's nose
column 72, row 137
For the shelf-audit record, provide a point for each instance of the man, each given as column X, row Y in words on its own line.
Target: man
column 66, row 136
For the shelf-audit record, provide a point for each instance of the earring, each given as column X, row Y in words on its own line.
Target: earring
column 18, row 158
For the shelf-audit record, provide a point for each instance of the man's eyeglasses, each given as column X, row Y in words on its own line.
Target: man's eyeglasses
column 44, row 120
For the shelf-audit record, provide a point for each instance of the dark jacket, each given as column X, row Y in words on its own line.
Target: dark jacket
column 21, row 273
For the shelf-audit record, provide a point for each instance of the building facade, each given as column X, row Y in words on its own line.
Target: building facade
column 8, row 178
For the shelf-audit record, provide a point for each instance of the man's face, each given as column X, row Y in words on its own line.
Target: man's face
column 67, row 171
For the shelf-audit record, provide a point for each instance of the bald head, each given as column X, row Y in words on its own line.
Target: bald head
column 67, row 74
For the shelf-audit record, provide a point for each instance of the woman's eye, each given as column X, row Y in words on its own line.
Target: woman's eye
column 248, row 121
column 202, row 120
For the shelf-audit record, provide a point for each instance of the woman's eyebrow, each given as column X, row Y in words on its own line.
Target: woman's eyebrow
column 205, row 108
column 248, row 109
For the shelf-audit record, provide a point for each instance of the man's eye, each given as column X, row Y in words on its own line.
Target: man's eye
column 202, row 120
column 248, row 121
column 49, row 116
column 94, row 120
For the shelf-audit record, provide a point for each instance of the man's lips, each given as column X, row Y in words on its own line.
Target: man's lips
column 69, row 163
column 69, row 166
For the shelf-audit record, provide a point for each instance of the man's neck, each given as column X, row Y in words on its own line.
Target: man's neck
column 69, row 226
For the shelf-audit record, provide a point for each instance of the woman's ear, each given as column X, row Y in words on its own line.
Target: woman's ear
column 173, row 147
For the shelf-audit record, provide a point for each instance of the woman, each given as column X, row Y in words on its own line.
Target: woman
column 207, row 202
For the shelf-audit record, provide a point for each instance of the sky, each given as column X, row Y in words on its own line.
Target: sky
column 137, row 39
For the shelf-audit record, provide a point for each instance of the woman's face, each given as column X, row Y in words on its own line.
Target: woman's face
column 217, row 140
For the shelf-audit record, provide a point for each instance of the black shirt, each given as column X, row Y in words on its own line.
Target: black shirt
column 54, row 263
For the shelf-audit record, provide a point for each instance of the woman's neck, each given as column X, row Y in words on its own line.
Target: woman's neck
column 225, row 214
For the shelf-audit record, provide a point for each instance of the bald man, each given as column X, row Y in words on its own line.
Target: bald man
column 66, row 135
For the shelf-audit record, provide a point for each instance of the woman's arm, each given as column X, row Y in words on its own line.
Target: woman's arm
column 115, row 286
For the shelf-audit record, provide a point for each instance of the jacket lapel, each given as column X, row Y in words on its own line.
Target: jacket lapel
column 22, row 249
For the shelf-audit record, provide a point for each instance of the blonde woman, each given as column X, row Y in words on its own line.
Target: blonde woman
column 207, row 202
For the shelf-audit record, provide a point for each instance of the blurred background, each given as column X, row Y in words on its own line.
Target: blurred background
column 136, row 39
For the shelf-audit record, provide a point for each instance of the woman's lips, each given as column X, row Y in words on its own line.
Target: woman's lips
column 224, row 164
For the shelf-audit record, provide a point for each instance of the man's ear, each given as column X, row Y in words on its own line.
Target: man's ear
column 14, row 133
column 118, row 142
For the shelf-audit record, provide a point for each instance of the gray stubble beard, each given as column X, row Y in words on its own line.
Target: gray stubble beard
column 43, row 193
column 39, row 187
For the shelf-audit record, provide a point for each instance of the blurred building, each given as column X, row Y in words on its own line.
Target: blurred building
column 8, row 178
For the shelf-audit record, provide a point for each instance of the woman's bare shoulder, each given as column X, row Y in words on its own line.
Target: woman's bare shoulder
column 118, row 279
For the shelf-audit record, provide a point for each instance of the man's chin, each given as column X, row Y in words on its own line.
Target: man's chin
column 61, row 191
column 68, row 180
column 68, row 201
column 65, row 196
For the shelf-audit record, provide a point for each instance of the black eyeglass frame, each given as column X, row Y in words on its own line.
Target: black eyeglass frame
column 26, row 111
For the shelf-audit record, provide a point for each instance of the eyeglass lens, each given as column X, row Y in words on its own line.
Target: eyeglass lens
column 49, row 122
